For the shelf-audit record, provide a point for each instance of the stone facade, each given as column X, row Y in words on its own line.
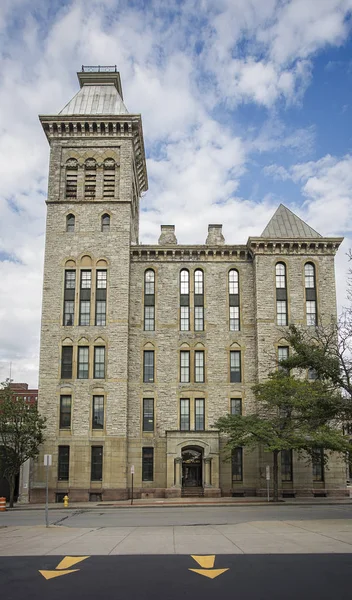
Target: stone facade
column 163, row 454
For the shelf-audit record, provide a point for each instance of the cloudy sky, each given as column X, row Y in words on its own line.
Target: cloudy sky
column 245, row 104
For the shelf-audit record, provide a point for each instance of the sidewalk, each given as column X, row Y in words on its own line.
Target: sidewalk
column 186, row 502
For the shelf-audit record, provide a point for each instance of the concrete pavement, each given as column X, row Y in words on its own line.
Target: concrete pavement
column 275, row 536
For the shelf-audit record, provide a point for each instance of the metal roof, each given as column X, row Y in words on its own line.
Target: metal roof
column 102, row 99
column 285, row 224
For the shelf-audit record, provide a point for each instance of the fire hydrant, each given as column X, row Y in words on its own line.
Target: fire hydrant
column 66, row 501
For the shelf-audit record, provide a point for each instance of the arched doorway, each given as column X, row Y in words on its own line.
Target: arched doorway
column 192, row 466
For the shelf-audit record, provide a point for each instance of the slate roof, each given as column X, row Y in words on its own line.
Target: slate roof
column 96, row 100
column 285, row 224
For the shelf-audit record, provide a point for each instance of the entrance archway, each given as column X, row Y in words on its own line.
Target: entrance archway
column 192, row 466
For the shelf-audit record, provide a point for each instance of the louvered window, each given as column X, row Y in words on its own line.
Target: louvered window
column 90, row 180
column 109, row 178
column 71, row 179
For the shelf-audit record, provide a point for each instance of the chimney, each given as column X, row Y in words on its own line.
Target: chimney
column 167, row 235
column 215, row 237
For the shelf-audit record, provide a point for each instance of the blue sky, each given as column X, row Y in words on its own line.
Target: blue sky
column 245, row 104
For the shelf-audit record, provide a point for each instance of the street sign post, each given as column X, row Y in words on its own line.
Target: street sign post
column 47, row 464
column 132, row 473
column 267, row 477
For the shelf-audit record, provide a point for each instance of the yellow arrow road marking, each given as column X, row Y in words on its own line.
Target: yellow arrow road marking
column 52, row 574
column 69, row 561
column 207, row 562
column 211, row 573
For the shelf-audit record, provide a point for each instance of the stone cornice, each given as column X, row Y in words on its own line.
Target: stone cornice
column 100, row 127
column 189, row 253
column 309, row 246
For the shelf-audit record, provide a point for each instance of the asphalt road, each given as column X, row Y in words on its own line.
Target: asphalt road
column 248, row 577
column 173, row 516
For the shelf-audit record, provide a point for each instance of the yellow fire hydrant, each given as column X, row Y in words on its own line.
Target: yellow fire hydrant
column 66, row 501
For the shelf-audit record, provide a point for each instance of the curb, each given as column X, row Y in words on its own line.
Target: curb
column 249, row 503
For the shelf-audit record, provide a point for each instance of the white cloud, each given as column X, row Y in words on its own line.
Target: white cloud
column 184, row 67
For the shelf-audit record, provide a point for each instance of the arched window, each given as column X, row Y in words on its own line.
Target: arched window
column 109, row 178
column 90, row 180
column 281, row 294
column 198, row 300
column 70, row 222
column 149, row 300
column 234, row 300
column 105, row 222
column 311, row 294
column 184, row 300
column 71, row 178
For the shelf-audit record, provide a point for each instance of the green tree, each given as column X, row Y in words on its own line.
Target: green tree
column 326, row 350
column 21, row 434
column 292, row 414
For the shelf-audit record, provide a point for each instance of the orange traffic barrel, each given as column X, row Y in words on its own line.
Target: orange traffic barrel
column 2, row 504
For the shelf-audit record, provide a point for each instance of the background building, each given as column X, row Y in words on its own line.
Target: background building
column 144, row 347
column 20, row 390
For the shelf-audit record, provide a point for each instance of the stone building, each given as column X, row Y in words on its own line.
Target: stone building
column 144, row 347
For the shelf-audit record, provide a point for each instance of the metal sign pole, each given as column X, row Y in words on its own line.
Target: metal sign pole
column 47, row 495
column 47, row 464
column 267, row 476
column 132, row 473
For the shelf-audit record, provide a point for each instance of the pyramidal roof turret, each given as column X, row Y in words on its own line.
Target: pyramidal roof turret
column 285, row 224
column 100, row 93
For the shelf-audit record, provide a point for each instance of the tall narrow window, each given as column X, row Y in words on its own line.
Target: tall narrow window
column 85, row 292
column 149, row 300
column 96, row 473
column 281, row 294
column 100, row 298
column 99, row 362
column 109, row 178
column 83, row 362
column 199, row 414
column 286, row 465
column 63, row 463
column 71, row 178
column 283, row 354
column 65, row 412
column 148, row 414
column 69, row 297
column 198, row 300
column 184, row 414
column 184, row 300
column 234, row 300
column 90, row 180
column 199, row 366
column 235, row 366
column 184, row 366
column 70, row 223
column 66, row 362
column 98, row 412
column 318, row 465
column 148, row 366
column 147, row 464
column 105, row 223
column 236, row 406
column 237, row 464
column 311, row 294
